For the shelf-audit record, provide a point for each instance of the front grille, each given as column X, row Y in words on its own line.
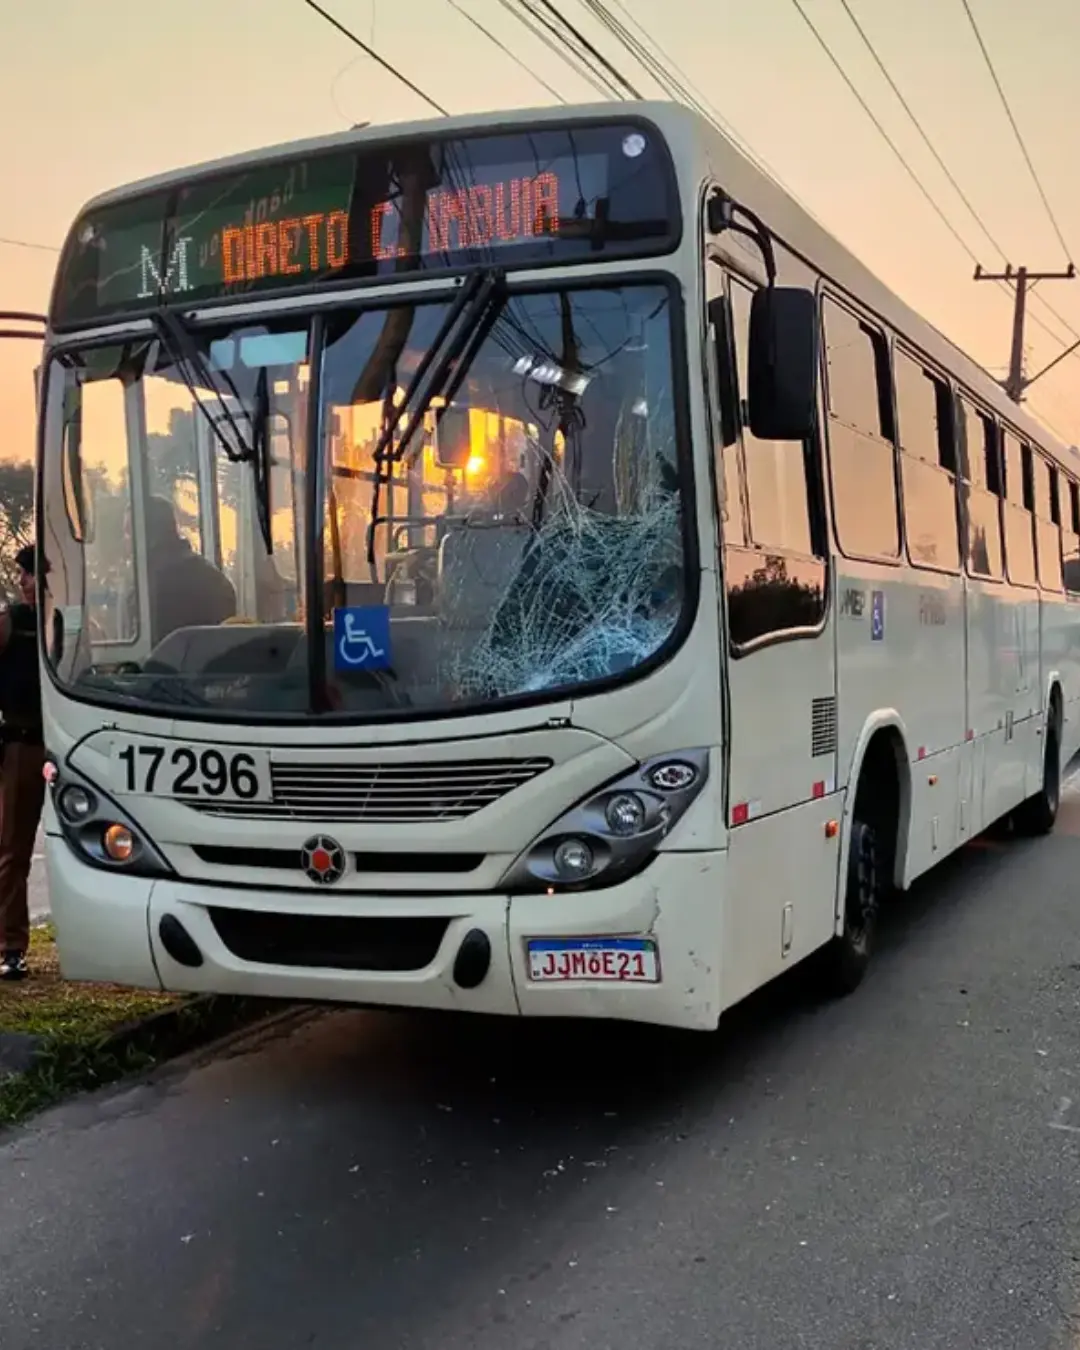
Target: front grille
column 383, row 793
column 329, row 942
column 291, row 859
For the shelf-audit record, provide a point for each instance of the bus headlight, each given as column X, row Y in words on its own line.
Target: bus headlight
column 98, row 831
column 615, row 831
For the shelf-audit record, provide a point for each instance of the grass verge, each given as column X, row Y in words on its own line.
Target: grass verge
column 88, row 1035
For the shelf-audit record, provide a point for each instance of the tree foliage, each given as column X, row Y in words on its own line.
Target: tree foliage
column 16, row 515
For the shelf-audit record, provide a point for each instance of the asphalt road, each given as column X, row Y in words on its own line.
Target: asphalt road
column 899, row 1170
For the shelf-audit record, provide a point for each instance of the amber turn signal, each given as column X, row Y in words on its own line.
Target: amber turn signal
column 118, row 843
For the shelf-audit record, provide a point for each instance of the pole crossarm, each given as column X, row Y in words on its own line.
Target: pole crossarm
column 1015, row 383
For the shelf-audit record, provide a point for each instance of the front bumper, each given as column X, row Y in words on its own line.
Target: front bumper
column 109, row 928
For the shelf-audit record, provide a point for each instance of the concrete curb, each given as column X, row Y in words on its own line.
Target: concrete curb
column 160, row 1036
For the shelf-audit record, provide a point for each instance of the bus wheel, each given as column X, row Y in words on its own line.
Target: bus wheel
column 844, row 961
column 1038, row 814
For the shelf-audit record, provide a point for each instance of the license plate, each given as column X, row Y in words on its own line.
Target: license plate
column 615, row 960
column 204, row 773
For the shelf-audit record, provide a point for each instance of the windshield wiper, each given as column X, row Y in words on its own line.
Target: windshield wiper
column 242, row 449
column 440, row 373
column 260, row 451
column 186, row 354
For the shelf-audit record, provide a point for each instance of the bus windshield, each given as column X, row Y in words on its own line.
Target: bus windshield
column 527, row 539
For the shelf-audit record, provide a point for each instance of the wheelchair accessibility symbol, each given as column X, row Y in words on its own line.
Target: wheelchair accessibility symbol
column 877, row 616
column 362, row 638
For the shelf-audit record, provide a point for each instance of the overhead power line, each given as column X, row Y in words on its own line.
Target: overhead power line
column 824, row 45
column 1005, row 286
column 950, row 176
column 28, row 243
column 558, row 35
column 558, row 46
column 1016, row 130
column 506, row 51
column 667, row 74
column 621, row 82
column 652, row 58
column 379, row 60
column 972, row 210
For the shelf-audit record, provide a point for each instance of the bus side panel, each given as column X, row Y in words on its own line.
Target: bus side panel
column 929, row 675
column 1029, row 705
column 779, row 904
column 1059, row 648
column 936, row 791
column 992, row 680
column 1069, row 666
column 900, row 645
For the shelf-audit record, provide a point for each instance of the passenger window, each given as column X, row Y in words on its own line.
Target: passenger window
column 980, row 495
column 1019, row 501
column 774, row 582
column 776, row 482
column 1047, row 527
column 861, row 454
column 927, row 465
column 857, row 363
column 1070, row 540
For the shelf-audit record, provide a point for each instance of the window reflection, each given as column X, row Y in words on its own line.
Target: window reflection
column 530, row 535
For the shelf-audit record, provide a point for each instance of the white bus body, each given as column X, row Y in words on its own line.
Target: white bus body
column 860, row 678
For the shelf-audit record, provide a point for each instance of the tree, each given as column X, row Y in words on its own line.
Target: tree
column 16, row 515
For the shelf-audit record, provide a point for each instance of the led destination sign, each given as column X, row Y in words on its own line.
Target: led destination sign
column 551, row 195
column 454, row 221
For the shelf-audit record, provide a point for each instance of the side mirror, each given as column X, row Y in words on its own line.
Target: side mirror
column 783, row 363
column 452, row 438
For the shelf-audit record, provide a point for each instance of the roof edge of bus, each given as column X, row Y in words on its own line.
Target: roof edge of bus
column 659, row 110
column 836, row 261
column 828, row 253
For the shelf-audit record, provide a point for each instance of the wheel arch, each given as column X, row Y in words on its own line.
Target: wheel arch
column 881, row 748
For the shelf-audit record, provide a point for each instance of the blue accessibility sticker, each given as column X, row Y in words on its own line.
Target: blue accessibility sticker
column 362, row 637
column 877, row 616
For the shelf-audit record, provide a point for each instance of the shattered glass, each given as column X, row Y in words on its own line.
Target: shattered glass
column 553, row 557
column 528, row 539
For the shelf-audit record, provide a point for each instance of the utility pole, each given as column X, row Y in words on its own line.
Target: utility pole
column 1015, row 383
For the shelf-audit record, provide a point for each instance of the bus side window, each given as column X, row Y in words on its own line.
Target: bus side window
column 927, row 466
column 1019, row 503
column 980, row 494
column 1070, row 537
column 861, row 454
column 730, row 473
column 1047, row 523
column 776, row 486
column 775, row 581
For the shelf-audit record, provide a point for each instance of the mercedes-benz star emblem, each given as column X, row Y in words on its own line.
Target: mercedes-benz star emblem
column 323, row 860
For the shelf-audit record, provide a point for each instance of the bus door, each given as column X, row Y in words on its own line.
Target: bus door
column 780, row 663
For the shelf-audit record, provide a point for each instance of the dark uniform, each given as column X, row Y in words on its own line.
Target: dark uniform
column 22, row 784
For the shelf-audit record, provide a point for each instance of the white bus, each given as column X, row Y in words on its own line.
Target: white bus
column 627, row 590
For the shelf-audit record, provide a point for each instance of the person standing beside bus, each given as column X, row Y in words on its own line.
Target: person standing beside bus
column 22, row 783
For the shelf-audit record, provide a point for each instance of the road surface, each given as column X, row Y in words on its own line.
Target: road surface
column 897, row 1171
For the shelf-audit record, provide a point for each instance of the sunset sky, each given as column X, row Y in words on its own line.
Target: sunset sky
column 94, row 95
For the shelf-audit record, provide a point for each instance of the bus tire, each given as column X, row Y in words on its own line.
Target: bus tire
column 846, row 958
column 1037, row 815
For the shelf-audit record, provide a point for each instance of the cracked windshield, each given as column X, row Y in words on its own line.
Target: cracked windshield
column 498, row 519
